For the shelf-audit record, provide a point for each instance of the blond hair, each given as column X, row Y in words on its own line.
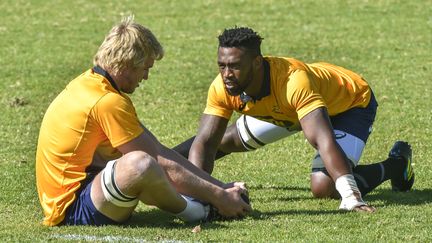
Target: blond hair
column 127, row 45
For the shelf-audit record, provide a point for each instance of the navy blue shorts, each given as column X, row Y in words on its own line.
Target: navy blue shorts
column 357, row 121
column 83, row 211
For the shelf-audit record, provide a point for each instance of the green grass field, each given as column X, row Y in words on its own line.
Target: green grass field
column 45, row 44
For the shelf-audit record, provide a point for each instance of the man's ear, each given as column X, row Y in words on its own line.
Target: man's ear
column 257, row 62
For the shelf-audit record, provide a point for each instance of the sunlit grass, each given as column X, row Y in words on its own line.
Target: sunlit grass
column 45, row 44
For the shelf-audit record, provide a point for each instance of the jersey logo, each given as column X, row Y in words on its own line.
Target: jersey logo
column 340, row 135
column 276, row 109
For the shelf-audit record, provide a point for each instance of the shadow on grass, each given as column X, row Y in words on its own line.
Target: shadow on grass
column 258, row 215
column 156, row 218
column 384, row 196
column 413, row 197
column 278, row 187
column 282, row 196
column 161, row 220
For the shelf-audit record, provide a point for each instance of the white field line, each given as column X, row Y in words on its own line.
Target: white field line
column 107, row 238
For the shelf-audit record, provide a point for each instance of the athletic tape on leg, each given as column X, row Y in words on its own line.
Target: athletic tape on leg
column 350, row 194
column 255, row 133
column 111, row 191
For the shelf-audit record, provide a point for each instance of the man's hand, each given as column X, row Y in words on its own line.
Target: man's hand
column 241, row 184
column 231, row 204
column 364, row 208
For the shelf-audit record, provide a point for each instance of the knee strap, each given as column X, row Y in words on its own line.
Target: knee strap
column 111, row 191
column 255, row 133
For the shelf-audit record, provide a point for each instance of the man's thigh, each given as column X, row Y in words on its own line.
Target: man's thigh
column 83, row 210
column 101, row 202
column 255, row 133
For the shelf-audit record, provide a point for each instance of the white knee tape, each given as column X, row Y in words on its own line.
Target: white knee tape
column 255, row 133
column 111, row 191
column 351, row 145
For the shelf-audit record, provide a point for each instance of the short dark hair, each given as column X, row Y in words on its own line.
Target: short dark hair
column 242, row 37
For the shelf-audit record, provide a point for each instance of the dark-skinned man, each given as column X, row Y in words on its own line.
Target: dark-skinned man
column 278, row 96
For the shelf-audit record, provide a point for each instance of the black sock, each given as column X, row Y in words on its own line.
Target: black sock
column 393, row 167
column 220, row 154
column 184, row 148
column 368, row 177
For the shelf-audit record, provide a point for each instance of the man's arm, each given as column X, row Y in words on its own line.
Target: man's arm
column 318, row 131
column 187, row 178
column 206, row 143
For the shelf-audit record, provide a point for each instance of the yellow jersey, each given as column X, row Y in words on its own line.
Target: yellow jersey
column 89, row 112
column 294, row 89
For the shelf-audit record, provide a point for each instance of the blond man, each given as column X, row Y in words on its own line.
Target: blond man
column 95, row 161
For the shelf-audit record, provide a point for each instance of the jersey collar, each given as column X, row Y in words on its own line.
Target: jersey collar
column 104, row 73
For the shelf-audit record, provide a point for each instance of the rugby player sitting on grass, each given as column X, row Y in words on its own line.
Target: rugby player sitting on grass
column 278, row 96
column 93, row 121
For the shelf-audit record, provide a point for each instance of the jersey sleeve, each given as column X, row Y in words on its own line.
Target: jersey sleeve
column 117, row 118
column 302, row 93
column 217, row 101
column 107, row 151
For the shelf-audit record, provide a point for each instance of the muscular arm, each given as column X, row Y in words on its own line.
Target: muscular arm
column 318, row 131
column 180, row 171
column 187, row 178
column 205, row 145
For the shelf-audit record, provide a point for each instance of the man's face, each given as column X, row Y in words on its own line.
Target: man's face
column 130, row 78
column 236, row 69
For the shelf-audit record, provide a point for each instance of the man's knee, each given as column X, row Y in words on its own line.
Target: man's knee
column 140, row 166
column 322, row 186
column 231, row 142
column 123, row 180
column 254, row 133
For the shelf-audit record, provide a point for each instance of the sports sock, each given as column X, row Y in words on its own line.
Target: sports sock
column 393, row 167
column 368, row 177
column 220, row 154
column 194, row 210
column 184, row 148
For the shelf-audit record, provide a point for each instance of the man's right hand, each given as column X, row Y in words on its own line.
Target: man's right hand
column 231, row 204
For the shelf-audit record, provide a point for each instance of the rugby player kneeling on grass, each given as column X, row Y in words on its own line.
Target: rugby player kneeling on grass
column 95, row 161
column 278, row 96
